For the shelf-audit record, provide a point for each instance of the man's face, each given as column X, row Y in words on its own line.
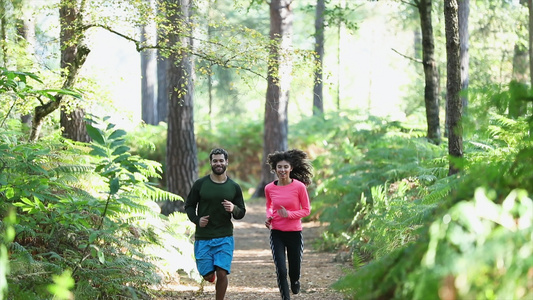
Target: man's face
column 218, row 164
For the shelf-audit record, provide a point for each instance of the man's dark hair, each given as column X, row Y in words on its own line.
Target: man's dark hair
column 218, row 151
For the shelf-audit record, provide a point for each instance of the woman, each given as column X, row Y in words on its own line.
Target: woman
column 287, row 202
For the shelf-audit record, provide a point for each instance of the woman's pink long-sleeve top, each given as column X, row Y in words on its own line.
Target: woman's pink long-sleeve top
column 294, row 198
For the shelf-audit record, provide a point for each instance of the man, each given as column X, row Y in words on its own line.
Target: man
column 211, row 203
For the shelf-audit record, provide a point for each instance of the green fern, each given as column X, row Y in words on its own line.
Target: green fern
column 394, row 224
column 66, row 222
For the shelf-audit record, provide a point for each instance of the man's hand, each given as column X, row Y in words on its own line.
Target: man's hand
column 203, row 221
column 228, row 206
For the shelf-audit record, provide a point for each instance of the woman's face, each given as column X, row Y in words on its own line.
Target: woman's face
column 283, row 170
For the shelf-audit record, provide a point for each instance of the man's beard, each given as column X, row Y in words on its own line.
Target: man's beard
column 218, row 172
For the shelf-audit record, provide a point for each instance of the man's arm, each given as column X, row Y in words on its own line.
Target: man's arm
column 239, row 210
column 191, row 203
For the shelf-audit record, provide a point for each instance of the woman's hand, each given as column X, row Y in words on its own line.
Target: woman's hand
column 268, row 222
column 283, row 212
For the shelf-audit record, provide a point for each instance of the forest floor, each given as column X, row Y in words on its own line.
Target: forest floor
column 253, row 275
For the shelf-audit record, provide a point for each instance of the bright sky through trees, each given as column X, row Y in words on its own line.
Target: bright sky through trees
column 372, row 74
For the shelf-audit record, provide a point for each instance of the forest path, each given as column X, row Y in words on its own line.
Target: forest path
column 253, row 275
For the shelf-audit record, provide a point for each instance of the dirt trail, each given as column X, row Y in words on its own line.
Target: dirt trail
column 253, row 275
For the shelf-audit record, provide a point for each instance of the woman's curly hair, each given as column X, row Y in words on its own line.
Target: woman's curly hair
column 301, row 166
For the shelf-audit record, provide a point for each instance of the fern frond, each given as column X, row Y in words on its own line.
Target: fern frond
column 72, row 169
column 438, row 192
column 158, row 195
column 21, row 252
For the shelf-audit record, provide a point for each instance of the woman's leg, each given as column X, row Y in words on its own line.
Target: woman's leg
column 278, row 254
column 295, row 249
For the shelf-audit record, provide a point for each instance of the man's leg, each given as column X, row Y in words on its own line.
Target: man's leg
column 204, row 259
column 222, row 283
column 210, row 277
column 222, row 260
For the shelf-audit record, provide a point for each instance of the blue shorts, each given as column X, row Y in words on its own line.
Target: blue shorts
column 213, row 253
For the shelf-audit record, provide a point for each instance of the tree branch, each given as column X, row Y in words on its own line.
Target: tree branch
column 408, row 57
column 211, row 59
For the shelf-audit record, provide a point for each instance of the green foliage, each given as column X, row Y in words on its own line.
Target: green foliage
column 369, row 152
column 62, row 285
column 480, row 247
column 243, row 141
column 472, row 232
column 150, row 142
column 8, row 234
column 17, row 87
column 88, row 211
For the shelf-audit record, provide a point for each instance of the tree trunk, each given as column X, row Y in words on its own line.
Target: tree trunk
column 210, row 67
column 162, row 70
column 278, row 83
column 3, row 32
column 464, row 36
column 72, row 122
column 431, row 97
column 163, row 65
column 73, row 57
column 530, row 31
column 339, row 49
column 182, row 162
column 73, row 125
column 27, row 31
column 453, row 85
column 148, row 79
column 318, row 103
column 518, row 86
column 530, row 44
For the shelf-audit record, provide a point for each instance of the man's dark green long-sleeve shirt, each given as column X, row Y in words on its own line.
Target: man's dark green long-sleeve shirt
column 205, row 199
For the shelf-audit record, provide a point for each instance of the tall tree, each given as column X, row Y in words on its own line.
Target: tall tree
column 520, row 78
column 464, row 36
column 182, row 162
column 530, row 40
column 431, row 88
column 4, row 21
column 163, row 63
column 74, row 51
column 71, row 39
column 453, row 85
column 278, row 84
column 518, row 86
column 210, row 70
column 27, row 31
column 73, row 56
column 148, row 74
column 318, row 102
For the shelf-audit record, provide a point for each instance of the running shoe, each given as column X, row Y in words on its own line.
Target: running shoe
column 295, row 287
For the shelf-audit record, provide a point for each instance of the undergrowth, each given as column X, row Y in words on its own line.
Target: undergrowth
column 87, row 212
column 413, row 231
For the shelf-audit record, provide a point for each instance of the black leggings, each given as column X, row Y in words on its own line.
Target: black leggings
column 293, row 242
